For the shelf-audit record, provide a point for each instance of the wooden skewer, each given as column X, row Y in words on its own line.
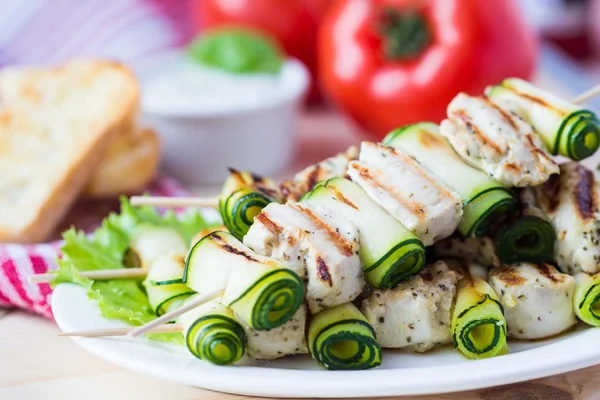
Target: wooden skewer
column 197, row 301
column 123, row 273
column 165, row 328
column 588, row 94
column 213, row 202
column 202, row 202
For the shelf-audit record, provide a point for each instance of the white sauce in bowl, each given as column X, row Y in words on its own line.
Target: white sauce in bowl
column 180, row 86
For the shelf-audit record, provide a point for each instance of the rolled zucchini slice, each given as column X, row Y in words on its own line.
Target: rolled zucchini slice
column 587, row 298
column 212, row 334
column 390, row 253
column 243, row 196
column 567, row 129
column 262, row 292
column 150, row 242
column 528, row 238
column 341, row 338
column 164, row 285
column 484, row 200
column 478, row 323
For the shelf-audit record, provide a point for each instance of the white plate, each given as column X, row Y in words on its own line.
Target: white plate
column 300, row 376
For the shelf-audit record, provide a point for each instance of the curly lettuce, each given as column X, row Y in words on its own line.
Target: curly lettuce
column 122, row 299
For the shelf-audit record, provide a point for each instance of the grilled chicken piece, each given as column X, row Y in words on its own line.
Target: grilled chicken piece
column 497, row 142
column 305, row 180
column 537, row 300
column 285, row 340
column 411, row 194
column 416, row 315
column 315, row 245
column 479, row 250
column 572, row 203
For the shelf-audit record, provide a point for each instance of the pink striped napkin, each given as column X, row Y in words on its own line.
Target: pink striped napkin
column 17, row 262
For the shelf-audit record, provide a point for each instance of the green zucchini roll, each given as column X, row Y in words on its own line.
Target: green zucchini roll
column 164, row 284
column 212, row 334
column 567, row 129
column 483, row 199
column 341, row 338
column 261, row 291
column 243, row 196
column 528, row 238
column 390, row 253
column 478, row 323
column 587, row 298
column 150, row 242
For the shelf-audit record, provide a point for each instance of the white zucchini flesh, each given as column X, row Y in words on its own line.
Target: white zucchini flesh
column 410, row 193
column 261, row 291
column 164, row 286
column 151, row 242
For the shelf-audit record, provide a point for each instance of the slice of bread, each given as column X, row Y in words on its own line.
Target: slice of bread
column 54, row 137
column 128, row 166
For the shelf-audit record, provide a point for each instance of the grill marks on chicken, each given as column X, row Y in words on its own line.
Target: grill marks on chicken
column 571, row 203
column 305, row 180
column 323, row 250
column 496, row 141
column 406, row 190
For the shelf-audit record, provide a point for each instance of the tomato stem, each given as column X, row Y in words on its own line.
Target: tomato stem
column 406, row 34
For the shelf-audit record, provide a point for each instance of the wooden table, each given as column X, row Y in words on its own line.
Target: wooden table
column 35, row 364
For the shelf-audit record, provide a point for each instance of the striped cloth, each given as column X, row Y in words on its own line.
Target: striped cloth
column 53, row 31
column 17, row 262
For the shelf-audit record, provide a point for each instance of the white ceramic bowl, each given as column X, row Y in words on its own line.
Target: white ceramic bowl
column 200, row 144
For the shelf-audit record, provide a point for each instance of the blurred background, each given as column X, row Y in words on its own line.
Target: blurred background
column 357, row 90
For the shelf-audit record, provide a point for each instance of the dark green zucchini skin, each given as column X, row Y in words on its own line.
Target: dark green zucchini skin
column 484, row 199
column 341, row 338
column 528, row 236
column 243, row 196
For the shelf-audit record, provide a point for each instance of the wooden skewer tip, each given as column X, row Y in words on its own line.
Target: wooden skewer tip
column 198, row 301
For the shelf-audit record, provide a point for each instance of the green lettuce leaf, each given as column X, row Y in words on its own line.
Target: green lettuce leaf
column 122, row 299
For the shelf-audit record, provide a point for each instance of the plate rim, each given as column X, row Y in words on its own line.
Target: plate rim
column 575, row 352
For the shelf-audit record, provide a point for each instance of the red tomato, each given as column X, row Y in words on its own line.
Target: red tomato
column 294, row 22
column 388, row 63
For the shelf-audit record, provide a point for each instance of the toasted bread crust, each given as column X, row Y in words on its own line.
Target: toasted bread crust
column 56, row 129
column 128, row 166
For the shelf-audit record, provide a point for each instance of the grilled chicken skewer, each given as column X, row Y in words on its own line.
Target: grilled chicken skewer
column 572, row 203
column 324, row 249
column 537, row 299
column 389, row 252
column 305, row 180
column 472, row 250
column 410, row 193
column 483, row 199
column 415, row 315
column 497, row 142
column 566, row 128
